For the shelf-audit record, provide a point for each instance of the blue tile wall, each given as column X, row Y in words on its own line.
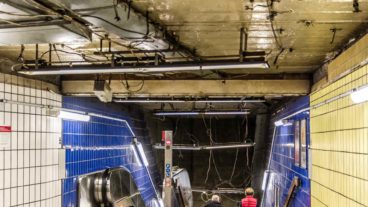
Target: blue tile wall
column 103, row 143
column 282, row 159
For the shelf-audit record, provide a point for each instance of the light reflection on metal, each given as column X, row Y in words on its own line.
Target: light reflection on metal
column 206, row 147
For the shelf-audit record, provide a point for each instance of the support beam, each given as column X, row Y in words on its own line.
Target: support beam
column 193, row 88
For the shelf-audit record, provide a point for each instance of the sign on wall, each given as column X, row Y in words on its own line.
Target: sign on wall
column 5, row 135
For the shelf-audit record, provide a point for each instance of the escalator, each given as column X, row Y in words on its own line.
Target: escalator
column 109, row 188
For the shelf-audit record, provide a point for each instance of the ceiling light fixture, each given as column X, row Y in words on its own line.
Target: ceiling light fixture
column 198, row 113
column 145, row 69
column 74, row 116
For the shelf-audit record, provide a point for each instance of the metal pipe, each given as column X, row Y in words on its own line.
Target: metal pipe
column 200, row 113
column 32, row 23
column 36, row 65
column 179, row 147
column 241, row 44
column 230, row 146
column 50, row 54
column 146, row 69
column 128, row 52
column 219, row 191
column 206, row 147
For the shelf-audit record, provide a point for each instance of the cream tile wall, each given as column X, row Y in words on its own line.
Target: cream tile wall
column 29, row 173
column 339, row 145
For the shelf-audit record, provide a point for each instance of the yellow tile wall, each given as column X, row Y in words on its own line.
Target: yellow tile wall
column 339, row 145
column 349, row 59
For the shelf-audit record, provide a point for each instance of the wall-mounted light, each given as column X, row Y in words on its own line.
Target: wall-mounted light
column 283, row 122
column 142, row 154
column 278, row 123
column 139, row 154
column 198, row 113
column 136, row 156
column 360, row 95
column 74, row 116
column 187, row 101
column 266, row 176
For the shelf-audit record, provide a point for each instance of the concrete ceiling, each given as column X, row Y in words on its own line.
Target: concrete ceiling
column 297, row 36
column 212, row 27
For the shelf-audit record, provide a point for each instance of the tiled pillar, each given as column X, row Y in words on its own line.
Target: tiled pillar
column 29, row 165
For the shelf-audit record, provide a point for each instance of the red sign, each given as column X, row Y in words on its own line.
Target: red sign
column 5, row 129
column 5, row 134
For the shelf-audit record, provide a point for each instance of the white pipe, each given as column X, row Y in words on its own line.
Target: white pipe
column 147, row 69
column 198, row 113
column 209, row 147
column 220, row 190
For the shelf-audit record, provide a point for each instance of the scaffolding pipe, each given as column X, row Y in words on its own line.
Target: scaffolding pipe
column 219, row 191
column 208, row 147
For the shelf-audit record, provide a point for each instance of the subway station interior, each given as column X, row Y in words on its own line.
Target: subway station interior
column 183, row 103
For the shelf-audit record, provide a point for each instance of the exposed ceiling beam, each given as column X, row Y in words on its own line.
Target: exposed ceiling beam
column 38, row 23
column 172, row 39
column 193, row 88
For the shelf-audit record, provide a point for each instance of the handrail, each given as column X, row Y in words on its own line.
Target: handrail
column 294, row 185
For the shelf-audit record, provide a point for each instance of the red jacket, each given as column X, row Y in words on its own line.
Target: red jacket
column 249, row 201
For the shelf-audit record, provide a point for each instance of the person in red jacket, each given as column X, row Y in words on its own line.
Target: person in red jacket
column 249, row 200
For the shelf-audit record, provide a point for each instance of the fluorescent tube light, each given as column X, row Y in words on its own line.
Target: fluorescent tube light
column 197, row 113
column 360, row 95
column 265, row 179
column 74, row 116
column 278, row 123
column 244, row 65
column 283, row 122
column 145, row 69
column 142, row 154
column 226, row 113
column 136, row 157
column 148, row 101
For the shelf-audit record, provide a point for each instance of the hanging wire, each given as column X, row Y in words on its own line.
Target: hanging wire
column 128, row 87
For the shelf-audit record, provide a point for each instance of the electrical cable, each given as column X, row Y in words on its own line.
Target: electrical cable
column 57, row 54
column 117, row 17
column 127, row 86
column 20, row 56
column 209, row 167
column 278, row 55
column 71, row 53
column 278, row 43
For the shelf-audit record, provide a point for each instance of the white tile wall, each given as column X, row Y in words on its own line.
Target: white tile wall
column 29, row 167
